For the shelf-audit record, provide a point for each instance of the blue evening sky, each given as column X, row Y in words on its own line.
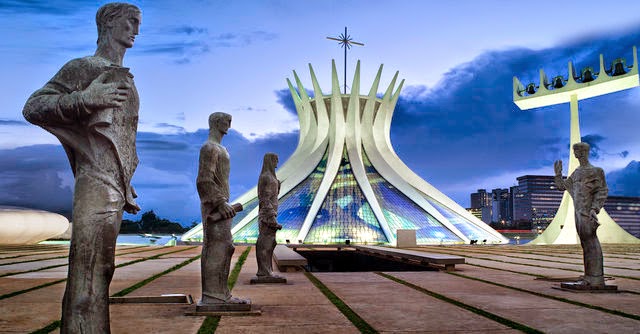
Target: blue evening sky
column 455, row 123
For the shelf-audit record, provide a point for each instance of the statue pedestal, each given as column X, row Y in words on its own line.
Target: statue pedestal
column 268, row 280
column 222, row 307
column 581, row 287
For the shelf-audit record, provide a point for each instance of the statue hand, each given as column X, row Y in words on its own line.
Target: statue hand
column 557, row 167
column 101, row 94
column 131, row 208
column 226, row 210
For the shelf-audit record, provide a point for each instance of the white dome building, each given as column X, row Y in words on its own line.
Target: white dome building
column 345, row 181
column 20, row 226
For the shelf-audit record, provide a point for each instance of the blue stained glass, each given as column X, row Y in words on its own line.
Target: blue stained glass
column 402, row 213
column 248, row 207
column 469, row 229
column 292, row 208
column 345, row 213
column 249, row 233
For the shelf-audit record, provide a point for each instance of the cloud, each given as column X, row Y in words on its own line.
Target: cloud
column 40, row 7
column 626, row 181
column 228, row 40
column 10, row 122
column 467, row 127
column 183, row 43
column 36, row 177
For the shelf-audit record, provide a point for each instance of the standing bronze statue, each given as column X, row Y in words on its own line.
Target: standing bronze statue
column 91, row 106
column 217, row 216
column 588, row 189
column 268, row 190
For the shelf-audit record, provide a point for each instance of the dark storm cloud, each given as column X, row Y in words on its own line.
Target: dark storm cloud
column 467, row 126
column 34, row 177
column 626, row 181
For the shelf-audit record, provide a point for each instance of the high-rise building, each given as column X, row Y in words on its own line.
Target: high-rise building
column 344, row 181
column 626, row 212
column 480, row 199
column 500, row 207
column 535, row 201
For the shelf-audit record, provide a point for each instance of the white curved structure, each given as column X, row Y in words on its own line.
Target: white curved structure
column 19, row 226
column 345, row 181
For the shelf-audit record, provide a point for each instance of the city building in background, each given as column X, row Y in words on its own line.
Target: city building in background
column 535, row 201
column 626, row 212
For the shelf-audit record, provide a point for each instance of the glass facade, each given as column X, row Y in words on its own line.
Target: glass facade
column 246, row 209
column 292, row 209
column 469, row 229
column 345, row 213
column 402, row 213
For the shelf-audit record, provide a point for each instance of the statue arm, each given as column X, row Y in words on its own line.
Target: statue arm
column 267, row 194
column 76, row 91
column 600, row 192
column 57, row 102
column 558, row 180
column 210, row 192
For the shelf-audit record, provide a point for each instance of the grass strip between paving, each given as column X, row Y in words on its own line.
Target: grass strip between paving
column 65, row 264
column 146, row 281
column 57, row 323
column 560, row 299
column 48, row 328
column 355, row 319
column 210, row 324
column 489, row 315
column 532, row 265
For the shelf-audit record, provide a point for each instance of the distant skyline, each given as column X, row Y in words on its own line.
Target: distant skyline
column 455, row 123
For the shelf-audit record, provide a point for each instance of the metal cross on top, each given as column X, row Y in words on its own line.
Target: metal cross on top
column 345, row 42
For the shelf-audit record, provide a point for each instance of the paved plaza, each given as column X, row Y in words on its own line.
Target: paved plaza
column 501, row 289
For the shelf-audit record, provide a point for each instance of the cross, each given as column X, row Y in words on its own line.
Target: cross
column 345, row 42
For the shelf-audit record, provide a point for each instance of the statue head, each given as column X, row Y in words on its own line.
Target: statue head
column 269, row 162
column 220, row 121
column 581, row 150
column 118, row 23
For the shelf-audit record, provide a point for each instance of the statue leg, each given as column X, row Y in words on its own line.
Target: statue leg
column 262, row 251
column 272, row 246
column 97, row 215
column 217, row 250
column 591, row 249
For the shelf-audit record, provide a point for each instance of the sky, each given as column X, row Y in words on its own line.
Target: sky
column 455, row 123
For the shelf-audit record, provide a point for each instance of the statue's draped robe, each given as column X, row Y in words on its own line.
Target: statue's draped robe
column 101, row 147
column 217, row 246
column 588, row 189
column 268, row 189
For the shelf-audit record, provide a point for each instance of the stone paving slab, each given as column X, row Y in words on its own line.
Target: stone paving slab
column 389, row 306
column 18, row 267
column 295, row 307
column 625, row 302
column 299, row 307
column 537, row 312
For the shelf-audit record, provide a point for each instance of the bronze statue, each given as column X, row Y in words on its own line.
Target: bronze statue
column 217, row 216
column 588, row 189
column 91, row 106
column 268, row 190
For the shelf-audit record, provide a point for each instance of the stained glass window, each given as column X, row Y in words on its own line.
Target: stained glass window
column 292, row 208
column 469, row 229
column 247, row 208
column 345, row 213
column 402, row 213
